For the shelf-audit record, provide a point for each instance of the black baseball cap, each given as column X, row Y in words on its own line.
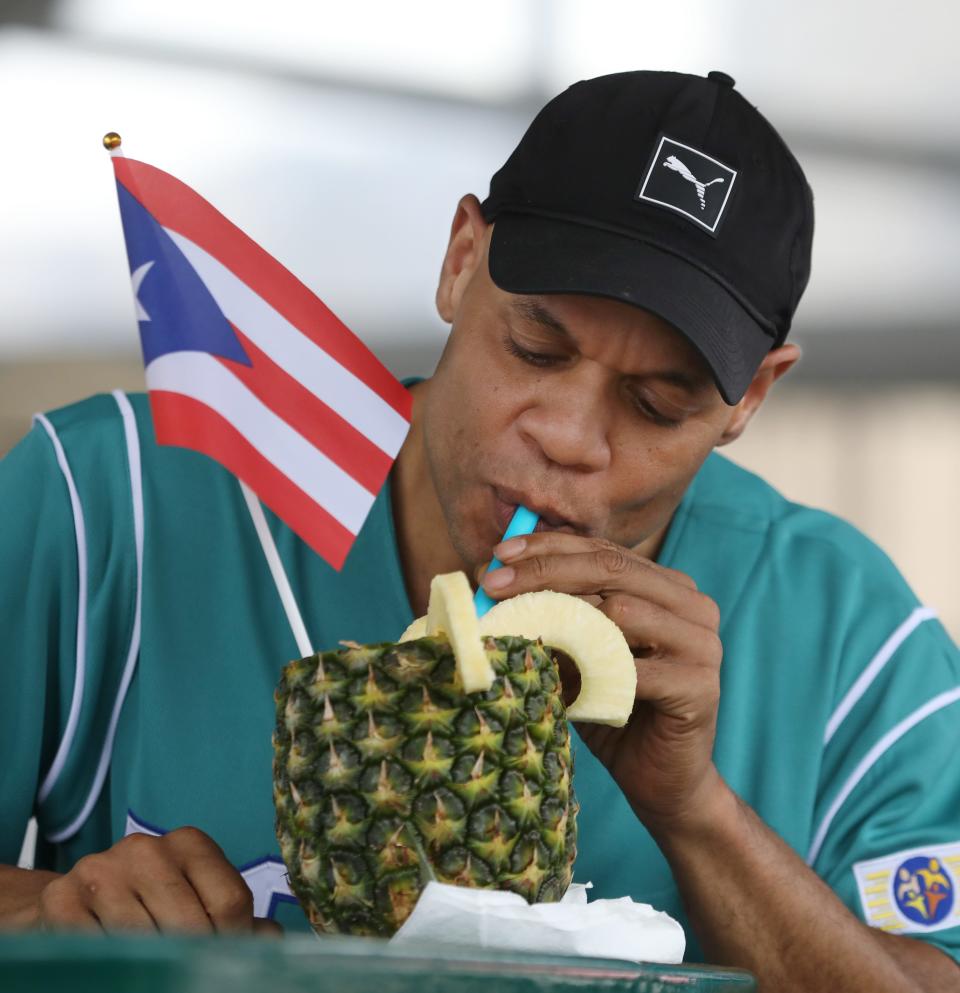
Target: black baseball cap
column 667, row 191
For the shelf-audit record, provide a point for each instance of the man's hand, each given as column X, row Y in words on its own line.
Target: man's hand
column 662, row 758
column 180, row 882
column 787, row 927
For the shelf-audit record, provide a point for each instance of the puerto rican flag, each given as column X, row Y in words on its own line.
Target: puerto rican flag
column 246, row 365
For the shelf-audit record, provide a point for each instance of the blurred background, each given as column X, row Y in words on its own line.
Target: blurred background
column 340, row 136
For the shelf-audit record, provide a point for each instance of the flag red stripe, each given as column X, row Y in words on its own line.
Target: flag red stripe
column 180, row 420
column 306, row 413
column 176, row 206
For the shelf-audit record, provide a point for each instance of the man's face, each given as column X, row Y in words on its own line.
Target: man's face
column 595, row 413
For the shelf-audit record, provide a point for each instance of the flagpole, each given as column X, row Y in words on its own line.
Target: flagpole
column 289, row 601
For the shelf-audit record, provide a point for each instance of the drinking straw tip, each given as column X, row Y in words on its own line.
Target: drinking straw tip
column 523, row 522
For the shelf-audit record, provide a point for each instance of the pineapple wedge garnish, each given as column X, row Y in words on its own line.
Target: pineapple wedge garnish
column 451, row 611
column 417, row 629
column 608, row 675
column 596, row 645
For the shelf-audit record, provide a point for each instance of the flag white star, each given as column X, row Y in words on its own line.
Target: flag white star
column 136, row 277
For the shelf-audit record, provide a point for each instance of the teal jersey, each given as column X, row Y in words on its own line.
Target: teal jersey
column 143, row 635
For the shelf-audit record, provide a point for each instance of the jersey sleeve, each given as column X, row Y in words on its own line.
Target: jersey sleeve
column 886, row 831
column 68, row 577
column 38, row 625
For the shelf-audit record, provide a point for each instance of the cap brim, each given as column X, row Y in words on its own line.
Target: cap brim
column 534, row 254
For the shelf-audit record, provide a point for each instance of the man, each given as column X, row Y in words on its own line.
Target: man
column 618, row 308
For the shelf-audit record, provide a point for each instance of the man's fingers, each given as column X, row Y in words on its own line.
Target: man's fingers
column 94, row 889
column 687, row 693
column 224, row 897
column 601, row 571
column 63, row 908
column 120, row 909
column 653, row 631
column 561, row 543
column 181, row 881
column 174, row 904
column 142, row 866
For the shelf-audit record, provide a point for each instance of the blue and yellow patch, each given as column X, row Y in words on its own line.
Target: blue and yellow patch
column 911, row 891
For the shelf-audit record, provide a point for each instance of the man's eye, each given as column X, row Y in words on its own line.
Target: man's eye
column 648, row 410
column 533, row 358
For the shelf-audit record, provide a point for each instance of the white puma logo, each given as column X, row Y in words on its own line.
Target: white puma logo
column 672, row 162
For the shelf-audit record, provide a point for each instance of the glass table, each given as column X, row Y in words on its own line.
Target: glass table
column 38, row 963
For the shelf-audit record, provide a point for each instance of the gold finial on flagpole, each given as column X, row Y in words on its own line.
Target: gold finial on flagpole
column 111, row 141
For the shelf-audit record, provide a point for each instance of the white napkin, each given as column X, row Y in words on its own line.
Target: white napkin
column 608, row 929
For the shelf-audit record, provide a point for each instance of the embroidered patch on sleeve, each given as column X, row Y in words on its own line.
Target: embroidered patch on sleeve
column 913, row 891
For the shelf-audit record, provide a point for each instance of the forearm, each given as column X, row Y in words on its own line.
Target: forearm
column 20, row 891
column 753, row 903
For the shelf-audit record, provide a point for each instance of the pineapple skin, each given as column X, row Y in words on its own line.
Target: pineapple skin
column 387, row 775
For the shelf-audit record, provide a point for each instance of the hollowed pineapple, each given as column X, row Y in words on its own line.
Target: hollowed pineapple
column 390, row 771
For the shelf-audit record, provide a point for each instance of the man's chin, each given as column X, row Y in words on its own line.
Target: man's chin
column 474, row 551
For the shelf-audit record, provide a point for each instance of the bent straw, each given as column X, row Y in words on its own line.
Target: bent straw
column 523, row 522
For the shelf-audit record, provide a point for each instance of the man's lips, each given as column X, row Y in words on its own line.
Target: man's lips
column 552, row 518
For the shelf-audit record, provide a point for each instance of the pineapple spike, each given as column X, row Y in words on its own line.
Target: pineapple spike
column 477, row 771
column 309, row 862
column 345, row 892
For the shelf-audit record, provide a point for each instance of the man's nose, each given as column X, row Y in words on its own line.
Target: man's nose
column 570, row 426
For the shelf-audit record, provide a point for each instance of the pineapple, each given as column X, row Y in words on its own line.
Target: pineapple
column 445, row 757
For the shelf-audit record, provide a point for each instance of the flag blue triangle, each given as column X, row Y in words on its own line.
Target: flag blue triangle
column 181, row 314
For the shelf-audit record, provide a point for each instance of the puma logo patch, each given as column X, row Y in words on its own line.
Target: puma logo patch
column 679, row 178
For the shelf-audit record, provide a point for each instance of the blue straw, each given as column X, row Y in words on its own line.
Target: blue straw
column 522, row 522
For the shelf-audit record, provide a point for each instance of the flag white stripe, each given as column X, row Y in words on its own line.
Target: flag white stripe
column 201, row 377
column 870, row 673
column 295, row 353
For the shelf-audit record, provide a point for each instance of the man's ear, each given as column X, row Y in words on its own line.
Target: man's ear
column 775, row 364
column 466, row 250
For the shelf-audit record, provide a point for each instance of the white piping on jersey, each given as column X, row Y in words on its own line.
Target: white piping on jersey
column 889, row 647
column 73, row 719
column 280, row 580
column 869, row 760
column 133, row 652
